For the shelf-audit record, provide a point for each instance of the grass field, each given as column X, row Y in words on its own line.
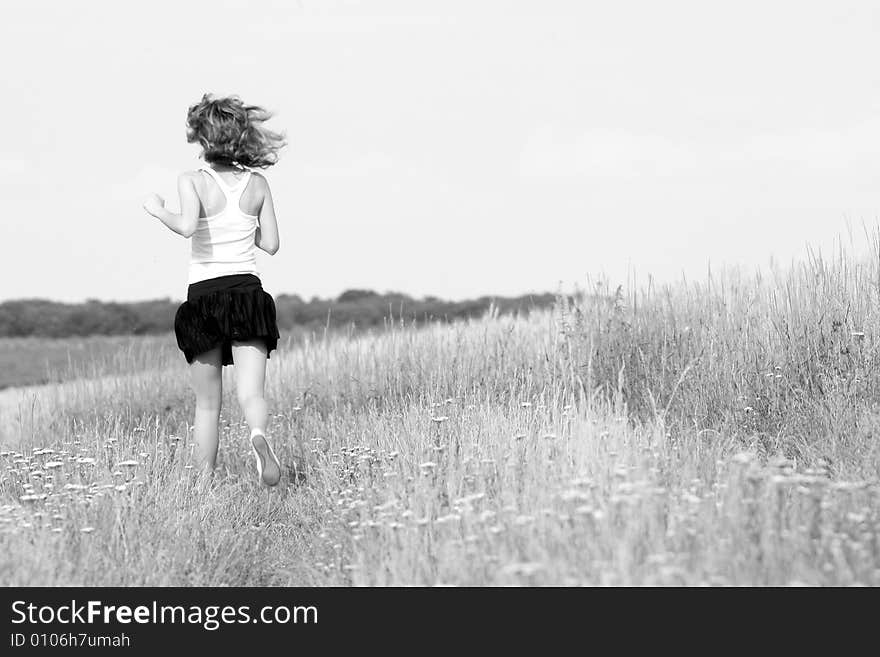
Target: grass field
column 717, row 433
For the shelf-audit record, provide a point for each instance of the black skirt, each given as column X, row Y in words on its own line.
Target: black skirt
column 221, row 310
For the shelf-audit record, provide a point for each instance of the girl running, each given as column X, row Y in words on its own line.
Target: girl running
column 227, row 210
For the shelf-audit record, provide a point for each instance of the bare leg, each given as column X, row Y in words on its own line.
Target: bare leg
column 208, row 385
column 250, row 380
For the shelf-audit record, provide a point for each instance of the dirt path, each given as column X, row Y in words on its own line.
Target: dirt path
column 12, row 398
column 27, row 401
column 22, row 401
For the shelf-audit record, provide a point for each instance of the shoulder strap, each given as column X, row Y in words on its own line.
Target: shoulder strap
column 242, row 184
column 228, row 190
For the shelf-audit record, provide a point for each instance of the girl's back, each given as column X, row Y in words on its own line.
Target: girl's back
column 224, row 241
column 212, row 198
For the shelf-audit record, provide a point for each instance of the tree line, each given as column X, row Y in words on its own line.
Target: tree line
column 359, row 308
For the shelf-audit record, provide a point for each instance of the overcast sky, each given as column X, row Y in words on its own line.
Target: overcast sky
column 452, row 148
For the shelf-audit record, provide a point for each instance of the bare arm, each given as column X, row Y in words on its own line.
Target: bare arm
column 267, row 232
column 186, row 221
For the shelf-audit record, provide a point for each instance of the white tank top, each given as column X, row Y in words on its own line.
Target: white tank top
column 223, row 243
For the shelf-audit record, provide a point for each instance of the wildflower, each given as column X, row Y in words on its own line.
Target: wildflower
column 468, row 499
column 781, row 462
column 452, row 517
column 574, row 496
column 129, row 464
column 440, row 419
column 53, row 464
column 849, row 485
column 525, row 569
column 485, row 515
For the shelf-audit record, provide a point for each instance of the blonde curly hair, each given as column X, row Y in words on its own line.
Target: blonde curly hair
column 231, row 132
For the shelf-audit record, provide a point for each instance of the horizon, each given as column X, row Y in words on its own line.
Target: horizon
column 633, row 280
column 303, row 298
column 445, row 150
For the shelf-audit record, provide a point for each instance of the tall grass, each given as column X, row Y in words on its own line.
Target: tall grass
column 787, row 363
column 713, row 433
